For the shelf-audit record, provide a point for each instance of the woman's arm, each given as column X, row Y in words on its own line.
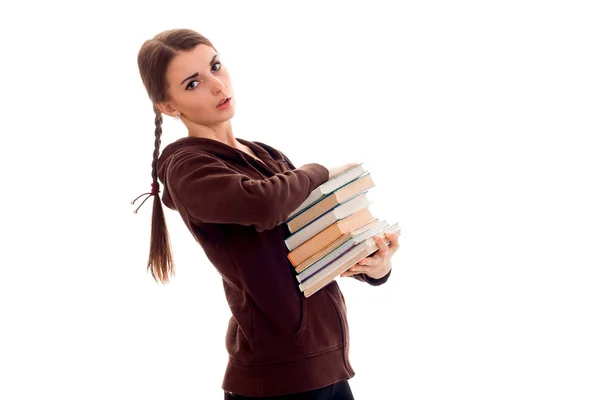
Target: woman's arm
column 212, row 192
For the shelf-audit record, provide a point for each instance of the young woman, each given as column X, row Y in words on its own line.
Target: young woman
column 233, row 195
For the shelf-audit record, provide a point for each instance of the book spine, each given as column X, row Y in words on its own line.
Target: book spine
column 312, row 213
column 304, row 234
column 317, row 256
column 326, row 279
column 324, row 276
column 325, row 261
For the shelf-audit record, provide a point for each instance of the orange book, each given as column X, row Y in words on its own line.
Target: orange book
column 342, row 194
column 329, row 235
column 345, row 262
column 322, row 253
column 331, row 275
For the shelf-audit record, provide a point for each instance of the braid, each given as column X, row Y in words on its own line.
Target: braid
column 153, row 58
column 160, row 262
column 157, row 133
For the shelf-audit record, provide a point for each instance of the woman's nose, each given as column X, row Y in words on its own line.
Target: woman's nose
column 218, row 86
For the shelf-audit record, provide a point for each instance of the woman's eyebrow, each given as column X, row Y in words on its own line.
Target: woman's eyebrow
column 212, row 62
column 189, row 77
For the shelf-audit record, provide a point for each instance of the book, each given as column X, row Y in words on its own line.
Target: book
column 338, row 196
column 335, row 182
column 317, row 256
column 340, row 211
column 343, row 263
column 355, row 238
column 329, row 235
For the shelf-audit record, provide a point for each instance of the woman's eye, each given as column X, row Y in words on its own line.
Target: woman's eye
column 193, row 84
column 189, row 86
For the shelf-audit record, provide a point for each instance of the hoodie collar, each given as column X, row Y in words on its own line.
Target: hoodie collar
column 224, row 151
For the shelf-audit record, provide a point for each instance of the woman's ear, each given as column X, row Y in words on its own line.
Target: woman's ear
column 167, row 109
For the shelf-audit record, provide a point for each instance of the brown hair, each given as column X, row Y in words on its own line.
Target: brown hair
column 153, row 59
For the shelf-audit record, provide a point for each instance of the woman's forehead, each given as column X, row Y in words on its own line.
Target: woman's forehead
column 191, row 61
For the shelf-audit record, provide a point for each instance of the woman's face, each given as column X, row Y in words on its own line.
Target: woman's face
column 197, row 83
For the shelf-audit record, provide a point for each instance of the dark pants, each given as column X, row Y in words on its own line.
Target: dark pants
column 337, row 391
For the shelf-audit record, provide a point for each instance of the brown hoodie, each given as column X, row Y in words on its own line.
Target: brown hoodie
column 278, row 341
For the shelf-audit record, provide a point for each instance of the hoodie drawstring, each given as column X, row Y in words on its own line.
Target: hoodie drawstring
column 153, row 192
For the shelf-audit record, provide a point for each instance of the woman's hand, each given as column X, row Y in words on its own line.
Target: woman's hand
column 380, row 263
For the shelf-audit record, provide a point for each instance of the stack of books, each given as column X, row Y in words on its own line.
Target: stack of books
column 333, row 229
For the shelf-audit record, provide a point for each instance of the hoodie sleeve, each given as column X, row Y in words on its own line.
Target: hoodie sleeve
column 371, row 281
column 212, row 192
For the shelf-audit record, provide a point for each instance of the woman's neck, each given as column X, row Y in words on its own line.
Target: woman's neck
column 222, row 132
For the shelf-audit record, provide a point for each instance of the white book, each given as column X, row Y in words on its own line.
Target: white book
column 340, row 211
column 345, row 262
column 341, row 249
column 328, row 187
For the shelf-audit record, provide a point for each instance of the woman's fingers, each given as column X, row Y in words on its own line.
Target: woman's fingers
column 362, row 266
column 378, row 262
column 383, row 248
column 369, row 262
column 349, row 273
column 394, row 244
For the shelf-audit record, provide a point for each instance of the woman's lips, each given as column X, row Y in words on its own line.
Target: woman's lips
column 226, row 104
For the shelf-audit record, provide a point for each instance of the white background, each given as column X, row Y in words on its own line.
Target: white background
column 478, row 121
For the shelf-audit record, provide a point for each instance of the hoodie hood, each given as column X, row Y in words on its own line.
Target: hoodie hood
column 272, row 157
